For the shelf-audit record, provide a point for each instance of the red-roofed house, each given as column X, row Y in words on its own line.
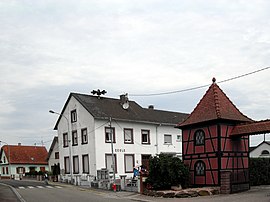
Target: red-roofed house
column 16, row 160
column 216, row 142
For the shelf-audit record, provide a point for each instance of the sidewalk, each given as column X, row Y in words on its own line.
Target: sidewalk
column 110, row 194
column 7, row 195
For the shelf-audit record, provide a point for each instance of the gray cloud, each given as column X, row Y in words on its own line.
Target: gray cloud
column 50, row 48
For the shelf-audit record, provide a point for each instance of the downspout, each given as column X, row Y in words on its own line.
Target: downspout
column 157, row 137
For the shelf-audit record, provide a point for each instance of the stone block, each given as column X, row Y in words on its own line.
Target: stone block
column 170, row 194
column 204, row 193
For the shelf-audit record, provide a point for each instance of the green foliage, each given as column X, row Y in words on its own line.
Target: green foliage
column 259, row 170
column 166, row 171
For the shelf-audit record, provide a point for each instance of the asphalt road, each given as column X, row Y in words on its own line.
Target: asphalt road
column 33, row 191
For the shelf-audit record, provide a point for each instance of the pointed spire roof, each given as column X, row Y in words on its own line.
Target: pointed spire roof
column 214, row 105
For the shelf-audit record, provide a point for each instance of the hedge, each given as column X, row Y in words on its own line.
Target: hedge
column 166, row 171
column 259, row 169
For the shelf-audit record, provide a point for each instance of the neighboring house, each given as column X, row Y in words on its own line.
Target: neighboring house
column 53, row 157
column 260, row 151
column 16, row 160
column 85, row 143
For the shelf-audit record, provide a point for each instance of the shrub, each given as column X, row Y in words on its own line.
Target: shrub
column 166, row 171
column 259, row 169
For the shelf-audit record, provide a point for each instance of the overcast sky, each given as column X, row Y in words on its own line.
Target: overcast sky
column 49, row 48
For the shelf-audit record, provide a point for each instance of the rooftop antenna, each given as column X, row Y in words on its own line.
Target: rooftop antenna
column 99, row 92
column 124, row 101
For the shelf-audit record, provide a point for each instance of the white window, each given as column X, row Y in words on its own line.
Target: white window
column 129, row 163
column 84, row 136
column 85, row 159
column 145, row 137
column 128, row 135
column 108, row 134
column 66, row 162
column 73, row 115
column 20, row 170
column 65, row 140
column 167, row 139
column 74, row 138
column 75, row 164
column 109, row 163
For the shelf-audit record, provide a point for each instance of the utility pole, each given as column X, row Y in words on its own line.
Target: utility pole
column 113, row 160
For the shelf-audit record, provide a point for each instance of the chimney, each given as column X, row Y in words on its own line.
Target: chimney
column 123, row 99
column 151, row 107
column 19, row 144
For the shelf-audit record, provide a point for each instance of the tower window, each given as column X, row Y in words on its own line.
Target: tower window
column 200, row 168
column 199, row 137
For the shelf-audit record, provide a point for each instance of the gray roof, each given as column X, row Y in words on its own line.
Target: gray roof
column 104, row 107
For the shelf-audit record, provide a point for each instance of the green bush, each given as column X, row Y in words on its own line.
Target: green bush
column 166, row 171
column 259, row 170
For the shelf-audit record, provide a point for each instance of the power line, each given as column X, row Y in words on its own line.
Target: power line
column 198, row 87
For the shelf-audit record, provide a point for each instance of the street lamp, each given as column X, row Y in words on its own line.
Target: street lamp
column 69, row 141
column 9, row 158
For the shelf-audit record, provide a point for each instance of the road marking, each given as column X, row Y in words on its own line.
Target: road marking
column 30, row 187
column 41, row 187
column 21, row 187
column 50, row 187
column 58, row 187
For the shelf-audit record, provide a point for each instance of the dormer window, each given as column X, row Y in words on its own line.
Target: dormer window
column 199, row 137
column 73, row 115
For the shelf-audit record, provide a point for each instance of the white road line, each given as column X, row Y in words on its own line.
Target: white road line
column 50, row 187
column 30, row 187
column 58, row 187
column 41, row 187
column 21, row 187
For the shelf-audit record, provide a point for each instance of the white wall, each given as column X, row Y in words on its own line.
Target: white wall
column 84, row 120
column 52, row 159
column 257, row 152
column 120, row 148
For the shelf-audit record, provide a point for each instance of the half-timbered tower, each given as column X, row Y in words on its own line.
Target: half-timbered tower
column 211, row 142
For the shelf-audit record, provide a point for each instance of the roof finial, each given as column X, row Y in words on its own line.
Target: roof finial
column 214, row 80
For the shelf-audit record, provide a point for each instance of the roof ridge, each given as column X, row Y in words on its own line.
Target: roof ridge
column 216, row 101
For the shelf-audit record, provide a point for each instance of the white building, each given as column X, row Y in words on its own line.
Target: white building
column 53, row 157
column 260, row 151
column 84, row 135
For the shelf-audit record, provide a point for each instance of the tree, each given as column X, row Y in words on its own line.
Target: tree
column 166, row 171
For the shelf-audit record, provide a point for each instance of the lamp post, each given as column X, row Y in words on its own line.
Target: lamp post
column 69, row 142
column 9, row 161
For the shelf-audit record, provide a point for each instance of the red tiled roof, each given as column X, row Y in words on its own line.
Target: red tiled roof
column 257, row 127
column 26, row 154
column 214, row 105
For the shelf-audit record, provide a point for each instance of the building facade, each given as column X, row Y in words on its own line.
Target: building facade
column 53, row 158
column 96, row 132
column 17, row 160
column 260, row 151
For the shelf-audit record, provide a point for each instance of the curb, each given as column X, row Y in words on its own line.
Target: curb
column 19, row 197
